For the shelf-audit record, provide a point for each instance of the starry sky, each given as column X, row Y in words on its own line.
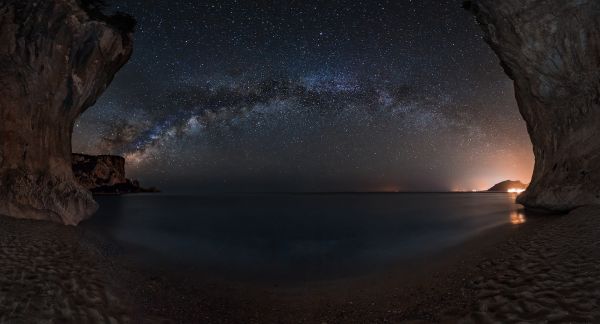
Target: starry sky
column 307, row 95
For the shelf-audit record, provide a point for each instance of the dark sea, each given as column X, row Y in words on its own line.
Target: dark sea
column 299, row 236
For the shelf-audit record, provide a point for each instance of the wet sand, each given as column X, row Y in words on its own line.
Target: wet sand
column 545, row 269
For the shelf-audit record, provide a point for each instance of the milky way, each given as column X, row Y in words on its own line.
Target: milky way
column 309, row 96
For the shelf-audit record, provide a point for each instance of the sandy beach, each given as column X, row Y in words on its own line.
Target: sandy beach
column 543, row 270
column 549, row 272
column 50, row 274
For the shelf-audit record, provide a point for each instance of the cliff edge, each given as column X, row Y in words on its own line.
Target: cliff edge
column 105, row 175
column 551, row 49
column 56, row 59
column 93, row 171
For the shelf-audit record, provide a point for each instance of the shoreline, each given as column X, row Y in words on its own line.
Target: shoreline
column 408, row 290
column 543, row 269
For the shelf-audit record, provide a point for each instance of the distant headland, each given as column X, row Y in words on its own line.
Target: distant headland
column 105, row 175
column 509, row 186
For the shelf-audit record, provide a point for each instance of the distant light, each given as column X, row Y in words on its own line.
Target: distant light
column 515, row 190
column 517, row 218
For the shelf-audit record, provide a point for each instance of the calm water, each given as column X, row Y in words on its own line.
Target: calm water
column 299, row 237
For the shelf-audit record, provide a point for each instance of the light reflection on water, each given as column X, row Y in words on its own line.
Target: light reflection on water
column 517, row 217
column 300, row 237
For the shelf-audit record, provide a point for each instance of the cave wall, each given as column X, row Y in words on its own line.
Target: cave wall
column 551, row 49
column 56, row 59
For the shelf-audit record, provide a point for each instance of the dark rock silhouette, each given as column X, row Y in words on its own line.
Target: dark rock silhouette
column 93, row 171
column 127, row 187
column 551, row 49
column 504, row 186
column 56, row 58
column 105, row 174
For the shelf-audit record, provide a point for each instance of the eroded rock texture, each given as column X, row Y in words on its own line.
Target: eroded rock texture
column 105, row 175
column 93, row 171
column 56, row 58
column 551, row 49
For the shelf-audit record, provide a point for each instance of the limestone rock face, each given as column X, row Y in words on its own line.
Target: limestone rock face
column 105, row 175
column 93, row 171
column 551, row 49
column 56, row 58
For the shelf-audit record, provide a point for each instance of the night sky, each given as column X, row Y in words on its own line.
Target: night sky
column 305, row 95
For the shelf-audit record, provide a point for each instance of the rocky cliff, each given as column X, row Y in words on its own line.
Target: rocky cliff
column 56, row 58
column 93, row 171
column 105, row 174
column 551, row 49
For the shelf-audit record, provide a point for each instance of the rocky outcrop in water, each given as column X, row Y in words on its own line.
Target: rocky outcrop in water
column 105, row 174
column 56, row 58
column 507, row 185
column 551, row 49
column 127, row 187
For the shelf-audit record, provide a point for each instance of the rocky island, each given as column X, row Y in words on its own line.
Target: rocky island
column 507, row 186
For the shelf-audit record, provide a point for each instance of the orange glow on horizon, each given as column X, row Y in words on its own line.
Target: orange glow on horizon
column 516, row 190
column 388, row 188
